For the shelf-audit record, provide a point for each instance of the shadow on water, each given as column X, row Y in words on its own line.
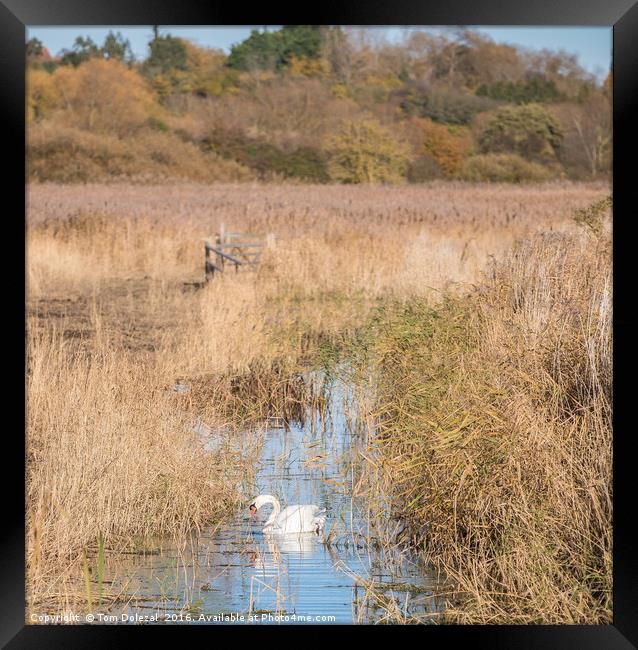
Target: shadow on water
column 238, row 574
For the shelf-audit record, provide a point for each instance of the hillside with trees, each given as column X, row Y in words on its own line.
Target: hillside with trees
column 315, row 104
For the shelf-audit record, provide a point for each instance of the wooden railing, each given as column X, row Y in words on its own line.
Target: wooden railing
column 232, row 249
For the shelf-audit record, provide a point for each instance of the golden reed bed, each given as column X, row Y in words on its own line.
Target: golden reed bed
column 113, row 324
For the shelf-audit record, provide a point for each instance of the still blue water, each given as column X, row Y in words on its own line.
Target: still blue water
column 237, row 574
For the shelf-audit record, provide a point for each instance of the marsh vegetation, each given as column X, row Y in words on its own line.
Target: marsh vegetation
column 472, row 321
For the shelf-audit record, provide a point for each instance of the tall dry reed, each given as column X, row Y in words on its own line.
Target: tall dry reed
column 494, row 436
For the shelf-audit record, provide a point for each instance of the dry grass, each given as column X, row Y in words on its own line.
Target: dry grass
column 282, row 208
column 494, row 434
column 113, row 324
column 102, row 459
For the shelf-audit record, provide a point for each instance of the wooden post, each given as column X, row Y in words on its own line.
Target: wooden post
column 221, row 240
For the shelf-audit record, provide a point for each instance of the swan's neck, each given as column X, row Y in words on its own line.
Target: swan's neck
column 267, row 498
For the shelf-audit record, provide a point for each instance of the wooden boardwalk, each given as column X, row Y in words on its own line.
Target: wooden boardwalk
column 232, row 250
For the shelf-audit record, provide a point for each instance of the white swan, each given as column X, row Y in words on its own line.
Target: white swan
column 293, row 519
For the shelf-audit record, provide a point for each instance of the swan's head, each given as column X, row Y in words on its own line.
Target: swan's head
column 260, row 501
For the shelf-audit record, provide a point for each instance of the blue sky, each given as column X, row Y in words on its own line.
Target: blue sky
column 592, row 45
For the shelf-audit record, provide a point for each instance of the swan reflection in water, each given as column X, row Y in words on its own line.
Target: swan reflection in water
column 299, row 546
column 276, row 564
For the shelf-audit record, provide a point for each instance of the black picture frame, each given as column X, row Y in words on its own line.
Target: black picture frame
column 15, row 15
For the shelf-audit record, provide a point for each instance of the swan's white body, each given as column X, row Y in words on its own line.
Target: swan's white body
column 293, row 519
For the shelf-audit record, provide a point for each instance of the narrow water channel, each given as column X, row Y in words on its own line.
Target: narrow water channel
column 237, row 574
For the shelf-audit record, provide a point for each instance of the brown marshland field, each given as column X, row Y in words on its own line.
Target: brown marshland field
column 480, row 315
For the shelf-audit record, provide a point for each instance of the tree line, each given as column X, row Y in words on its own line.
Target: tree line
column 324, row 104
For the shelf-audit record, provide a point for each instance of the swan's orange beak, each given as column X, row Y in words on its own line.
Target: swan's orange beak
column 252, row 509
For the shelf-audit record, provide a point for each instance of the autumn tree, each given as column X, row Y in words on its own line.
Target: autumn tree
column 176, row 66
column 466, row 59
column 290, row 113
column 306, row 67
column 447, row 145
column 205, row 73
column 593, row 127
column 529, row 130
column 572, row 82
column 339, row 53
column 43, row 95
column 366, row 152
column 587, row 145
column 105, row 96
column 482, row 61
column 418, row 66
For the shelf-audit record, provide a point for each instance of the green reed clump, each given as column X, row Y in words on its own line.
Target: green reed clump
column 592, row 217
